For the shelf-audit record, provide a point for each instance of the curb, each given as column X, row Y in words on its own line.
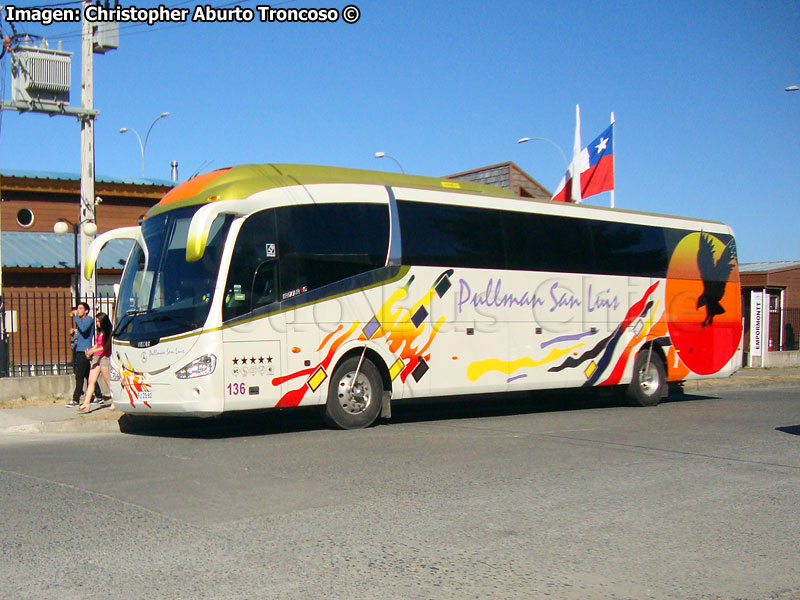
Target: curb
column 105, row 422
column 67, row 426
column 740, row 383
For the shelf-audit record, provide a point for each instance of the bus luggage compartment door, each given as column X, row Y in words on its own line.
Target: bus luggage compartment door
column 250, row 370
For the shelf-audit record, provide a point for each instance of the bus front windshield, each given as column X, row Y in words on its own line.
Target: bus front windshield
column 160, row 293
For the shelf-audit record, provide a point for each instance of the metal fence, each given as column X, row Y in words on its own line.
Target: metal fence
column 791, row 329
column 37, row 329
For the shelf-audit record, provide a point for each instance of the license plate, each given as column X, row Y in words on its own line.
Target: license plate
column 145, row 396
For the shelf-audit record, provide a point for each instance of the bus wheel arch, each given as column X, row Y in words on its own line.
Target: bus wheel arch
column 356, row 391
column 649, row 379
column 376, row 360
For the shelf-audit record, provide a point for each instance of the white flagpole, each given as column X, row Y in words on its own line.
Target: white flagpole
column 614, row 154
column 576, row 151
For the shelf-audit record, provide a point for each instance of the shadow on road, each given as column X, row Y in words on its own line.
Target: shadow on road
column 228, row 425
column 792, row 429
column 268, row 422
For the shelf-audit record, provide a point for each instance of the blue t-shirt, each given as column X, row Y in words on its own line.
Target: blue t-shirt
column 85, row 327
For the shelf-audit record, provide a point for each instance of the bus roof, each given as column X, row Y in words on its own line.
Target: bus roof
column 242, row 181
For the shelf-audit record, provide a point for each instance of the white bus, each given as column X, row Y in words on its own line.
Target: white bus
column 263, row 286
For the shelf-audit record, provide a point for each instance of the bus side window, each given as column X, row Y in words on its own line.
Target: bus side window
column 323, row 243
column 253, row 267
column 264, row 290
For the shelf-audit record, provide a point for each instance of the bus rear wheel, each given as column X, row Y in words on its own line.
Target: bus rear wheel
column 354, row 401
column 649, row 379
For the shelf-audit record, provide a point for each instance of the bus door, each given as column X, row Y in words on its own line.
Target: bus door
column 254, row 325
column 253, row 363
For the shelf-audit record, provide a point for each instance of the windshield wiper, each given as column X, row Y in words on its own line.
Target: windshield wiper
column 127, row 318
column 170, row 318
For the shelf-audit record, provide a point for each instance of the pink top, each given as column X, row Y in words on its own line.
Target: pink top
column 99, row 342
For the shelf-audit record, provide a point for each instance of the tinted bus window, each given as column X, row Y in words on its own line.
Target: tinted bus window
column 625, row 249
column 319, row 244
column 454, row 236
column 548, row 243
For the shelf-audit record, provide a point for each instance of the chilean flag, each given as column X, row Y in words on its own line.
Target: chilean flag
column 595, row 166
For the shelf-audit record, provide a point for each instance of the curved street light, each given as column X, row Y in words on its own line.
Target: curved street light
column 551, row 142
column 384, row 155
column 143, row 145
column 62, row 227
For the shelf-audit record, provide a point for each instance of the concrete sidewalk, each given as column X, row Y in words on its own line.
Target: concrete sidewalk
column 57, row 418
column 747, row 378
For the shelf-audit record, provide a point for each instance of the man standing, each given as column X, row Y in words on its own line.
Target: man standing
column 84, row 332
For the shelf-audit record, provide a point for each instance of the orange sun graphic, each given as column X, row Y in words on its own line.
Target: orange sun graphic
column 704, row 302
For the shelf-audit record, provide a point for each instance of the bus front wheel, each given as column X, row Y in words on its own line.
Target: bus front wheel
column 354, row 400
column 649, row 379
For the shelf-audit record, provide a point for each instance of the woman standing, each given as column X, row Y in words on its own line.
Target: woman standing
column 99, row 357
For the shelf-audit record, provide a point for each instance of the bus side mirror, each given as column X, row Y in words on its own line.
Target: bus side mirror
column 122, row 233
column 203, row 219
column 199, row 228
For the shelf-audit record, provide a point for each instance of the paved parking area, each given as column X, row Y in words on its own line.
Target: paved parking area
column 552, row 497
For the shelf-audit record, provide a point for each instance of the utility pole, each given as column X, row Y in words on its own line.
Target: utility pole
column 87, row 213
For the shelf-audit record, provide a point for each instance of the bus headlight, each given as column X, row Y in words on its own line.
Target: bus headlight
column 199, row 367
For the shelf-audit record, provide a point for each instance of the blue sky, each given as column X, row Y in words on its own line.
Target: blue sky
column 704, row 126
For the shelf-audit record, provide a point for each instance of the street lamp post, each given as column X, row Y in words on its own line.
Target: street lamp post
column 551, row 142
column 143, row 145
column 62, row 227
column 384, row 155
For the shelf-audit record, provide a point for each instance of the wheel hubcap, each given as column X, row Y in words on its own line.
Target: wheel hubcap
column 648, row 379
column 354, row 395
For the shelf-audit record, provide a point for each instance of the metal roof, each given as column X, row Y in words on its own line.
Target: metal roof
column 763, row 267
column 48, row 251
column 58, row 175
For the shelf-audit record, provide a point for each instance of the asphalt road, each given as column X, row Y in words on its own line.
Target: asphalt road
column 558, row 496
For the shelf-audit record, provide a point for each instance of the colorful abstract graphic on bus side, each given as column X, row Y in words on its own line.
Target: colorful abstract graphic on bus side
column 405, row 332
column 134, row 384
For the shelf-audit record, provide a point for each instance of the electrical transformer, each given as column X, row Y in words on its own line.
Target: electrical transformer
column 40, row 75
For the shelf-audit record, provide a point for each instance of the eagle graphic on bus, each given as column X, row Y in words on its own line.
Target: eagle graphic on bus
column 715, row 274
